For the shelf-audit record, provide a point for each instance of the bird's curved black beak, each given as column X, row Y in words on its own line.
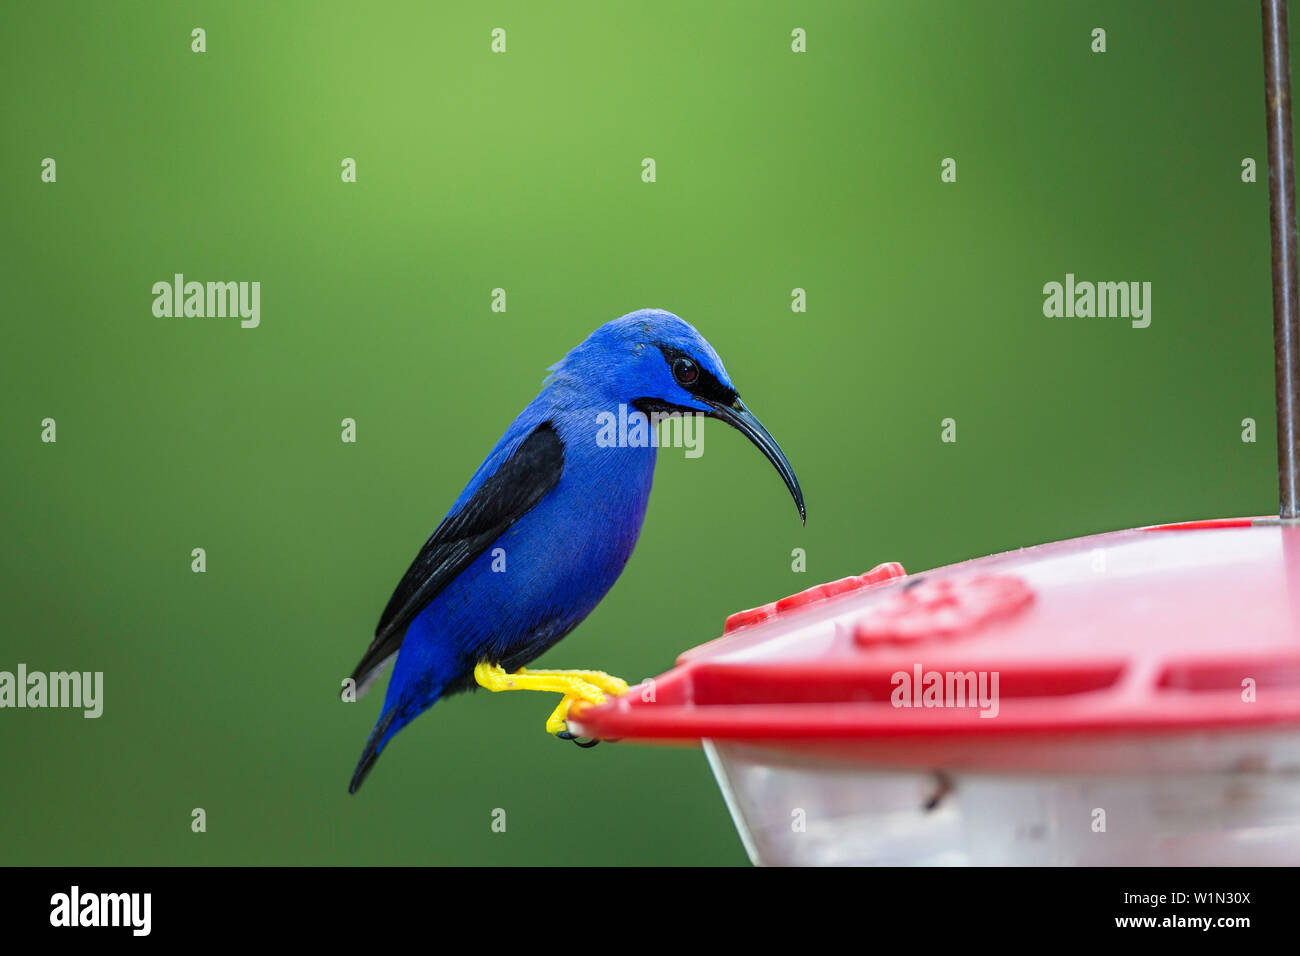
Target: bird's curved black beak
column 744, row 421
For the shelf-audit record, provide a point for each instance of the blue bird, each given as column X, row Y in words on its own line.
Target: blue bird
column 560, row 510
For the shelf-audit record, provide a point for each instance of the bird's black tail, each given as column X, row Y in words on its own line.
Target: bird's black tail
column 374, row 746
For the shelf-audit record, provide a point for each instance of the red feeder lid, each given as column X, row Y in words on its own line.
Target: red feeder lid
column 1173, row 628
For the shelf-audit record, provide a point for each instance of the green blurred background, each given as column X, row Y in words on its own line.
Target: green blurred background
column 522, row 171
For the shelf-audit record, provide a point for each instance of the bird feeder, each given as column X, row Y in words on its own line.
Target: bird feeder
column 1122, row 699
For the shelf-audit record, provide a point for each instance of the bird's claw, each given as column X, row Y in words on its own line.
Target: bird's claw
column 589, row 687
column 557, row 720
column 585, row 743
column 585, row 682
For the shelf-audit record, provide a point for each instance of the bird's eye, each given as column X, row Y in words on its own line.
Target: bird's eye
column 686, row 372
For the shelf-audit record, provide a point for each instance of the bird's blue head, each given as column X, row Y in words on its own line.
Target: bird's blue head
column 657, row 363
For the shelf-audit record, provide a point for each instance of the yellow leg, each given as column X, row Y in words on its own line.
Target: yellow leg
column 606, row 682
column 575, row 685
column 558, row 722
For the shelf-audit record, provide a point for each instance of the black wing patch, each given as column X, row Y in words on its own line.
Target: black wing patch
column 523, row 480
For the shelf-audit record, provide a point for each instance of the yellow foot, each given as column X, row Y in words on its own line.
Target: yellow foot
column 575, row 685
